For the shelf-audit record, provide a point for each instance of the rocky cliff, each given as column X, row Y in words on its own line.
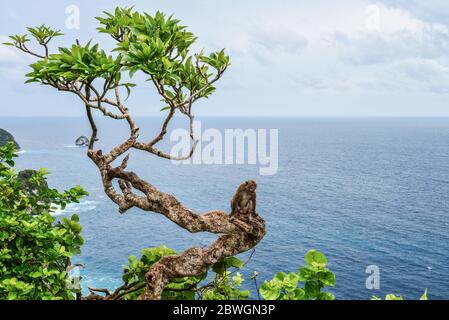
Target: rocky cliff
column 5, row 137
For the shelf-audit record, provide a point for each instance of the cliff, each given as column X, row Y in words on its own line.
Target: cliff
column 5, row 137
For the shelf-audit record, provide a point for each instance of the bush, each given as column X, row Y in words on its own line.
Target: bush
column 35, row 250
column 315, row 277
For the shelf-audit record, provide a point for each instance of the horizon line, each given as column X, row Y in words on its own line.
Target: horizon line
column 248, row 117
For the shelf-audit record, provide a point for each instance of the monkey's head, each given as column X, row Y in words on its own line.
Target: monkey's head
column 251, row 186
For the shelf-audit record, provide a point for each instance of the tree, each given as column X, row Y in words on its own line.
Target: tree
column 158, row 47
column 35, row 251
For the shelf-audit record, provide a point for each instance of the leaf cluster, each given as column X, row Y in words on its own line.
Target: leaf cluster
column 77, row 63
column 306, row 284
column 35, row 249
column 223, row 286
column 155, row 45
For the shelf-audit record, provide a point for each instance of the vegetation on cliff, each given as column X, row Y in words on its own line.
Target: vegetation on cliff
column 6, row 137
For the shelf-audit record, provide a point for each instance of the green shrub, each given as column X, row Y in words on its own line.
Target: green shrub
column 314, row 277
column 35, row 250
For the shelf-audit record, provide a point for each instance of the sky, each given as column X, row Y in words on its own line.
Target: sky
column 297, row 58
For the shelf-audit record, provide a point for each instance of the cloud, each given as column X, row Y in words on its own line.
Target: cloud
column 266, row 46
column 334, row 82
column 341, row 54
column 309, row 81
column 431, row 43
column 8, row 55
column 436, row 11
column 12, row 66
column 279, row 40
column 402, row 54
column 431, row 75
column 400, row 36
column 257, row 40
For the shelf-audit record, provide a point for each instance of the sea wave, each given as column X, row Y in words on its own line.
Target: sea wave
column 21, row 151
column 83, row 206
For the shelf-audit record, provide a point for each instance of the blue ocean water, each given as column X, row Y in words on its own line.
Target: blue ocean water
column 363, row 191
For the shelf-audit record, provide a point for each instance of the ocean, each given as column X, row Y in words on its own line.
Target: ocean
column 363, row 191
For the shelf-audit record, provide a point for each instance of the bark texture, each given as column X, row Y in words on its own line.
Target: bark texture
column 236, row 236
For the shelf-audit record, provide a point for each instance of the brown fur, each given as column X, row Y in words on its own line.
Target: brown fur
column 244, row 200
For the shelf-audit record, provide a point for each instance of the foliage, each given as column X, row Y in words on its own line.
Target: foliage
column 34, row 250
column 78, row 63
column 395, row 297
column 223, row 286
column 315, row 277
column 42, row 34
column 134, row 276
column 158, row 46
column 225, row 282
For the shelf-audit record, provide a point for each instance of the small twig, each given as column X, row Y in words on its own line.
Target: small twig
column 102, row 290
column 212, row 284
column 254, row 277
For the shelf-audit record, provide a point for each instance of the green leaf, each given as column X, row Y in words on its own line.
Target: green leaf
column 315, row 259
column 234, row 262
column 305, row 274
column 312, row 289
column 76, row 227
column 327, row 278
column 299, row 294
column 393, row 297
column 326, row 296
column 268, row 292
column 424, row 295
column 237, row 279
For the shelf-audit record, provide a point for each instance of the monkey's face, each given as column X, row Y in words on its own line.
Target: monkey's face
column 251, row 186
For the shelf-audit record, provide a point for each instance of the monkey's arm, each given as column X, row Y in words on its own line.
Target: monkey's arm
column 233, row 204
column 254, row 203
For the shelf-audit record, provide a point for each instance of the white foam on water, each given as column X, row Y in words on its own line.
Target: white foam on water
column 21, row 151
column 72, row 146
column 71, row 208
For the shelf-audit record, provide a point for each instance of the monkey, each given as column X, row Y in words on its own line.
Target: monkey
column 244, row 200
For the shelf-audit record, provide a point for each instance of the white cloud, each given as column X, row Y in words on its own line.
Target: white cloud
column 12, row 64
column 430, row 74
column 321, row 46
column 403, row 54
column 436, row 11
column 400, row 36
column 278, row 39
column 8, row 55
column 259, row 41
